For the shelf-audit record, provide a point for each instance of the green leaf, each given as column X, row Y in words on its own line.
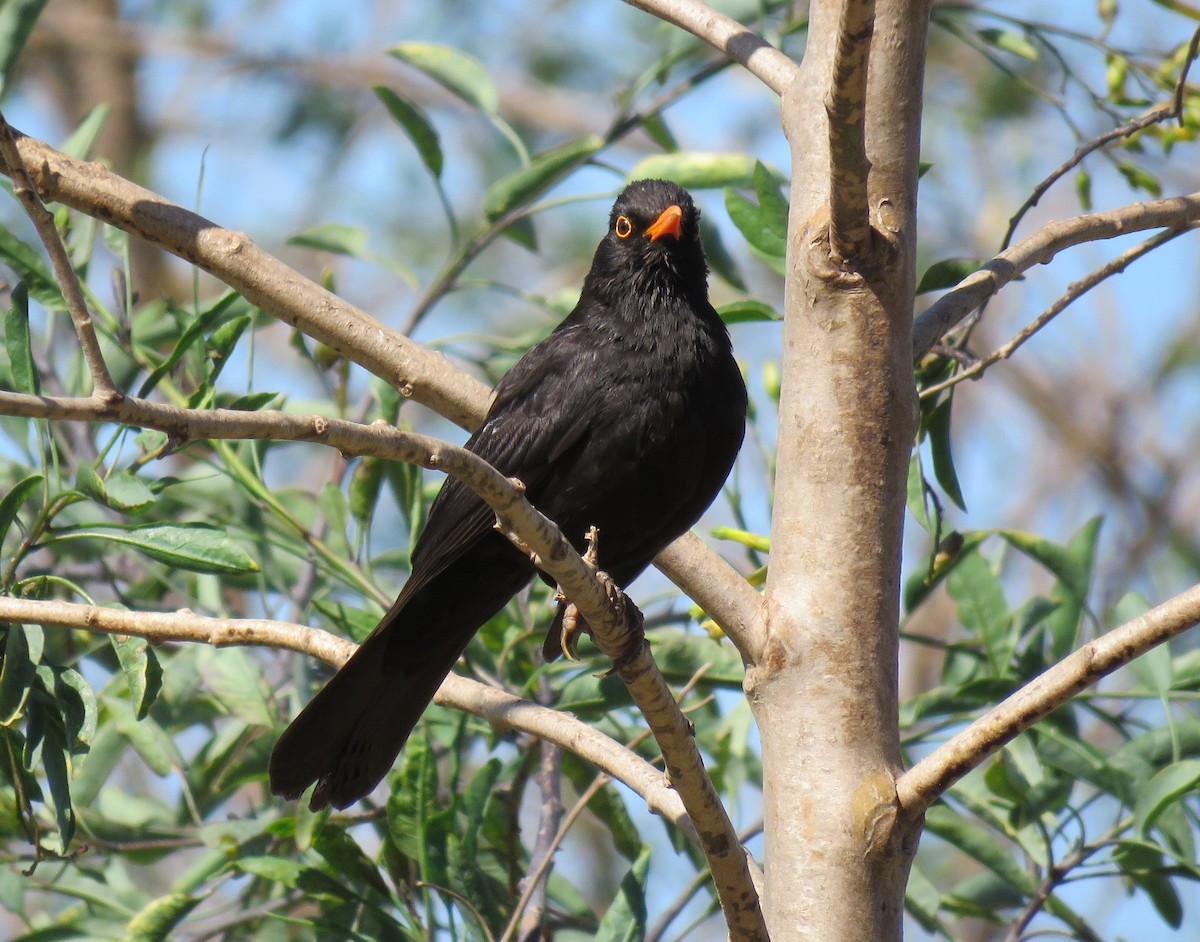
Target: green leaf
column 333, row 237
column 454, row 70
column 1163, row 790
column 46, row 730
column 916, row 493
column 983, row 608
column 194, row 331
column 236, row 684
column 696, row 170
column 1140, row 179
column 1073, row 565
column 22, row 652
column 416, row 125
column 142, row 671
column 755, row 541
column 31, row 270
column 18, row 342
column 1009, row 41
column 625, row 920
column 196, row 547
column 747, row 310
column 937, row 426
column 752, row 224
column 347, row 859
column 78, row 703
column 546, row 169
column 155, row 921
column 127, row 492
column 17, row 19
column 772, row 203
column 10, row 505
column 149, row 740
column 946, row 273
column 276, row 869
column 365, row 486
column 79, row 145
column 980, row 844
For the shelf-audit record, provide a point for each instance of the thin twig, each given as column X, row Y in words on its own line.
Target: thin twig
column 1041, row 247
column 1074, row 291
column 68, row 281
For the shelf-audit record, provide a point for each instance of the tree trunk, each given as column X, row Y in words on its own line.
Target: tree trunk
column 824, row 693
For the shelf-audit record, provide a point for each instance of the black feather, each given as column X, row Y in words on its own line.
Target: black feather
column 627, row 418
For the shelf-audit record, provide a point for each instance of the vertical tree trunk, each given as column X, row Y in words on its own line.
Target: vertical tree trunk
column 824, row 694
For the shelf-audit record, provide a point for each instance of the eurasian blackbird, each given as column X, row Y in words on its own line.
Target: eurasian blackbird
column 627, row 417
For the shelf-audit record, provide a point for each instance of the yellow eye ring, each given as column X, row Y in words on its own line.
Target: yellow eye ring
column 623, row 227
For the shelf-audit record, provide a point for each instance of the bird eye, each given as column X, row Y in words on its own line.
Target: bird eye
column 623, row 227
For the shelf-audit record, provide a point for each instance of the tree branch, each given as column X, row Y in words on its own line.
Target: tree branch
column 846, row 106
column 619, row 635
column 1038, row 249
column 727, row 35
column 456, row 692
column 43, row 221
column 259, row 277
column 925, row 782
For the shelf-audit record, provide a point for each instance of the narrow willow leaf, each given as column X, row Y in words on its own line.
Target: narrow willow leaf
column 17, row 19
column 17, row 674
column 1010, row 41
column 416, row 125
column 938, row 428
column 696, row 170
column 10, row 505
column 1163, row 790
column 86, row 133
column 333, row 237
column 946, row 273
column 754, row 540
column 454, row 70
column 625, row 920
column 546, row 169
column 746, row 311
column 156, row 921
column 194, row 547
column 753, row 226
column 142, row 671
column 19, row 344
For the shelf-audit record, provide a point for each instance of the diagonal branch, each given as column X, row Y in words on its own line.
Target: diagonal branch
column 43, row 221
column 457, row 692
column 925, row 782
column 727, row 35
column 1038, row 249
column 259, row 277
column 846, row 107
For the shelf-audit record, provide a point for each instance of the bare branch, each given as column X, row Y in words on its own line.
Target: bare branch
column 921, row 785
column 456, row 692
column 1074, row 291
column 727, row 35
column 43, row 221
column 259, row 277
column 846, row 106
column 1171, row 213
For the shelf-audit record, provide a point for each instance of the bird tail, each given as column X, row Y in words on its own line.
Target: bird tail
column 347, row 738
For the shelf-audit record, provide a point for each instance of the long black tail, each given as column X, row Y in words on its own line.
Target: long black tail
column 347, row 738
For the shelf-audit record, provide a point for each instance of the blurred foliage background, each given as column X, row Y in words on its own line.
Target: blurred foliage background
column 448, row 168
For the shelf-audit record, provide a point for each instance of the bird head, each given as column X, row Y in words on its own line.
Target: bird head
column 653, row 233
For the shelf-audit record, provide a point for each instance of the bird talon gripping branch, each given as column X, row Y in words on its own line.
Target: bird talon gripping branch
column 626, row 418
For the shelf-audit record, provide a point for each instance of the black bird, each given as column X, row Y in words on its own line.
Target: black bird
column 627, row 418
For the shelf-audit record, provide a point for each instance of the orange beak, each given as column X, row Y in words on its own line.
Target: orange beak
column 670, row 223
